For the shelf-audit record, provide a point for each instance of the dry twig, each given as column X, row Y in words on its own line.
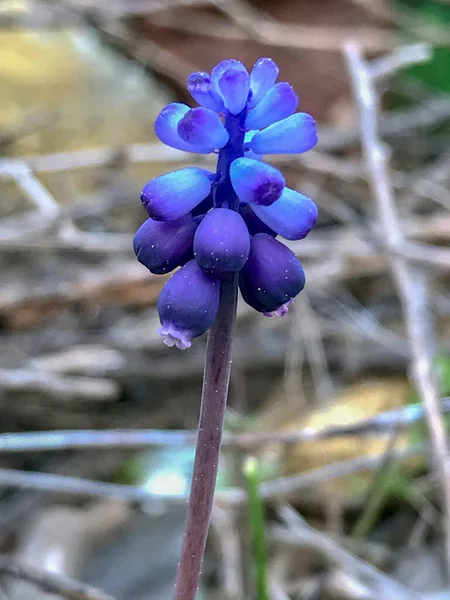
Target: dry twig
column 50, row 582
column 410, row 282
column 272, row 490
column 58, row 387
column 386, row 586
column 224, row 525
column 44, row 441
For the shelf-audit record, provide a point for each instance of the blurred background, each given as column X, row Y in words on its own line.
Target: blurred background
column 82, row 82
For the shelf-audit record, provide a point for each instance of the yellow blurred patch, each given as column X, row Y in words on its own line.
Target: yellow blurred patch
column 14, row 6
column 354, row 404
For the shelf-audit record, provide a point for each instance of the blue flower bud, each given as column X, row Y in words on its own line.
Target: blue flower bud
column 187, row 305
column 202, row 127
column 161, row 246
column 231, row 81
column 173, row 195
column 256, row 182
column 166, row 125
column 295, row 134
column 263, row 76
column 272, row 276
column 235, row 86
column 225, row 65
column 279, row 102
column 254, row 224
column 201, row 89
column 221, row 242
column 292, row 216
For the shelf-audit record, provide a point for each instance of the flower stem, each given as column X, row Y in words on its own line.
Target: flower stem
column 212, row 413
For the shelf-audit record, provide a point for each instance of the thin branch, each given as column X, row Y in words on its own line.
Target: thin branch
column 273, row 490
column 425, row 255
column 79, row 487
column 410, row 283
column 226, row 531
column 30, row 124
column 399, row 59
column 32, row 187
column 50, row 582
column 142, row 49
column 44, row 441
column 386, row 586
column 254, row 24
column 124, row 8
column 315, row 349
column 58, row 387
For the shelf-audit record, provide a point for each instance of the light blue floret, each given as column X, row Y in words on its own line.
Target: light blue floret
column 279, row 102
column 293, row 135
column 262, row 78
column 292, row 216
column 174, row 194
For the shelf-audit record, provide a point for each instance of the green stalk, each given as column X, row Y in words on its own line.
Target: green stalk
column 258, row 524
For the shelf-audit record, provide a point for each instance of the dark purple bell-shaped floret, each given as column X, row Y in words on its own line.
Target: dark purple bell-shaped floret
column 271, row 277
column 221, row 242
column 187, row 305
column 161, row 246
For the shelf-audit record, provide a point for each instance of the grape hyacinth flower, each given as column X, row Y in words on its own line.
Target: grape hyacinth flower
column 220, row 228
column 213, row 217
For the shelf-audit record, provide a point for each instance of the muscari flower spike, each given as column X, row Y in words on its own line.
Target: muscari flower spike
column 215, row 224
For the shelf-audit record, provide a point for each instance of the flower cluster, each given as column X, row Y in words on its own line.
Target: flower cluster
column 215, row 224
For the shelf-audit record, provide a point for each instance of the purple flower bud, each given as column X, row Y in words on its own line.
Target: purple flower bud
column 173, row 195
column 166, row 128
column 161, row 246
column 292, row 216
column 272, row 276
column 221, row 242
column 187, row 305
column 202, row 127
column 256, row 182
column 235, row 86
column 295, row 134
column 263, row 76
column 235, row 80
column 254, row 224
column 279, row 102
column 224, row 65
column 201, row 89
